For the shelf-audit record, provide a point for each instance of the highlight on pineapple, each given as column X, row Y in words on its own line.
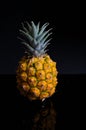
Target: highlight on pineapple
column 36, row 72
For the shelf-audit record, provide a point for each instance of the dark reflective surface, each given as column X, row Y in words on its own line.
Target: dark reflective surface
column 40, row 118
column 53, row 114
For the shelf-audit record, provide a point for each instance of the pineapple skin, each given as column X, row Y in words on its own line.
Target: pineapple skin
column 37, row 77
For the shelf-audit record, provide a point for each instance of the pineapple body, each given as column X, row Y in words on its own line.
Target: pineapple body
column 37, row 77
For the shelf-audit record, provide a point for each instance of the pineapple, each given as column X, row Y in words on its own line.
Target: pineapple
column 36, row 72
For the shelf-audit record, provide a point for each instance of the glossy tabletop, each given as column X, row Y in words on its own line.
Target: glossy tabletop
column 21, row 114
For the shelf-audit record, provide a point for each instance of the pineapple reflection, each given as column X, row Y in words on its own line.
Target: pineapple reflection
column 45, row 119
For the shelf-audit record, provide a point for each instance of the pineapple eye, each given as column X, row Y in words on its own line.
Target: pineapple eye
column 23, row 76
column 49, row 77
column 35, row 92
column 49, row 87
column 42, row 85
column 31, row 71
column 25, row 86
column 54, row 71
column 44, row 95
column 47, row 67
column 38, row 66
column 40, row 75
column 55, row 82
column 32, row 81
column 23, row 66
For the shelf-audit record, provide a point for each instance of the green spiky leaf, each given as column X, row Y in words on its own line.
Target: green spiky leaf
column 35, row 38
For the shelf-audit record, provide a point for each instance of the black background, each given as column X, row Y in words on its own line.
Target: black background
column 68, row 49
column 68, row 46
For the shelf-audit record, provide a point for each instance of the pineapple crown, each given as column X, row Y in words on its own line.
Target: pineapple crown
column 35, row 38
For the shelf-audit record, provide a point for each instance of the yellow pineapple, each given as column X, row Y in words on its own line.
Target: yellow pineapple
column 36, row 72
